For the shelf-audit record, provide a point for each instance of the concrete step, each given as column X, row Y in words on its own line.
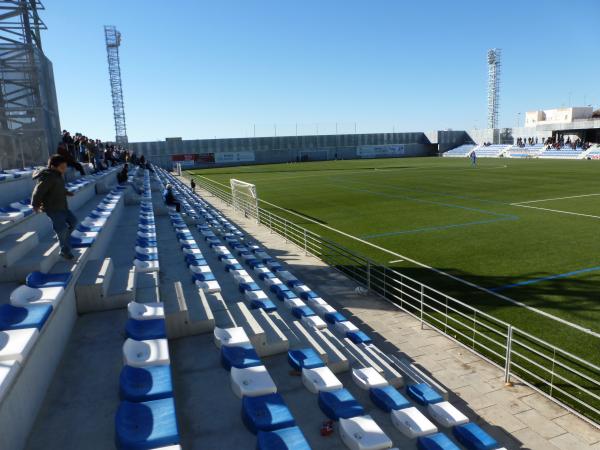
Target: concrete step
column 42, row 257
column 186, row 309
column 244, row 318
column 121, row 289
column 359, row 357
column 15, row 246
column 302, row 338
column 336, row 359
column 276, row 340
column 220, row 310
column 415, row 374
column 92, row 286
column 146, row 287
column 390, row 373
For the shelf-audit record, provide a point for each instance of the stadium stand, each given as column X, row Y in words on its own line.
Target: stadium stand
column 527, row 151
column 462, row 151
column 564, row 153
column 283, row 358
column 491, row 151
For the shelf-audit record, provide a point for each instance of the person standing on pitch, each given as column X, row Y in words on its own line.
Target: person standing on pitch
column 473, row 158
column 50, row 196
column 193, row 185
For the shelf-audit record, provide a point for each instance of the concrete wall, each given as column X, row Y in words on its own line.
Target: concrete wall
column 282, row 149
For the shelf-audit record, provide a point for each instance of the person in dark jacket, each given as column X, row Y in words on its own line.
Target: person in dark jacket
column 193, row 185
column 50, row 196
column 170, row 198
column 123, row 175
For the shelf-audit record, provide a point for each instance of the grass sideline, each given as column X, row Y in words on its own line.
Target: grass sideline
column 462, row 220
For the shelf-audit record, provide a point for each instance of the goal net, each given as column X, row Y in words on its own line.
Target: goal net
column 244, row 197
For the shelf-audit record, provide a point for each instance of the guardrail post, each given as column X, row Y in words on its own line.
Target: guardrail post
column 285, row 230
column 270, row 223
column 422, row 299
column 508, row 356
column 305, row 245
column 369, row 275
column 552, row 373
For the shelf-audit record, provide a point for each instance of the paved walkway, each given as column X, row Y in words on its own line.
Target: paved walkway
column 518, row 417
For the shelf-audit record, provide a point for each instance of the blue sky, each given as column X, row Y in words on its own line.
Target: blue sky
column 200, row 69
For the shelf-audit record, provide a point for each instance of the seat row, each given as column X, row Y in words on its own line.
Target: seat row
column 32, row 304
column 264, row 411
column 146, row 249
column 146, row 417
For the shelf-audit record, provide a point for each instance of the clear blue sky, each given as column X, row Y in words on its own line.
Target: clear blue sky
column 199, row 68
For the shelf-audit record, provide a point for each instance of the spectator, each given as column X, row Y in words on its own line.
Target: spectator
column 123, row 175
column 50, row 196
column 170, row 199
column 71, row 162
column 193, row 185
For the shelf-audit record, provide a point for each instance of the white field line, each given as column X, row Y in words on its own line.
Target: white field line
column 395, row 261
column 558, row 211
column 550, row 199
column 425, row 266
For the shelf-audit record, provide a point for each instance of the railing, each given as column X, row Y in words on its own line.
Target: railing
column 557, row 374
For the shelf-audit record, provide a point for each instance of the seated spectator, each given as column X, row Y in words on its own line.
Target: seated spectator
column 170, row 199
column 123, row 175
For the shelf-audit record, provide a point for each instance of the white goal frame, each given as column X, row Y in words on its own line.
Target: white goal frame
column 244, row 197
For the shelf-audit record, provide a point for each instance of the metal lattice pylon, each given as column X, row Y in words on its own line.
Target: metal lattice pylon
column 113, row 41
column 494, row 58
column 28, row 114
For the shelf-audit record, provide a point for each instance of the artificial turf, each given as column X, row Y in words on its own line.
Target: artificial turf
column 461, row 220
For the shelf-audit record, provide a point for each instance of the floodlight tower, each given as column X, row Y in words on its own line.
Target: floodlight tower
column 494, row 59
column 113, row 41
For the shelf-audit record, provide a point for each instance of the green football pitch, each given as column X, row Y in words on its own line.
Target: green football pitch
column 526, row 230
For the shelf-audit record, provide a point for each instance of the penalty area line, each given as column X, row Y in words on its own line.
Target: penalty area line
column 558, row 211
column 551, row 199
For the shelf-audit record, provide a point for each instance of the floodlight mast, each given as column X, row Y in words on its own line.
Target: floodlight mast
column 113, row 41
column 494, row 60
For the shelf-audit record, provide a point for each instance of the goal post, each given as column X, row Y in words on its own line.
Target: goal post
column 244, row 197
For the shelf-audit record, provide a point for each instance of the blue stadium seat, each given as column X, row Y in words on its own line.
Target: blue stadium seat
column 284, row 439
column 195, row 260
column 304, row 357
column 437, row 441
column 233, row 266
column 243, row 287
column 141, row 384
column 205, row 276
column 358, row 337
column 82, row 242
column 473, row 437
column 339, row 404
column 278, row 288
column 141, row 330
column 302, row 311
column 17, row 317
column 266, row 413
column 43, row 280
column 286, row 295
column 146, row 425
column 388, row 398
column 239, row 356
column 147, row 256
column 334, row 317
column 423, row 394
column 308, row 295
column 266, row 305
